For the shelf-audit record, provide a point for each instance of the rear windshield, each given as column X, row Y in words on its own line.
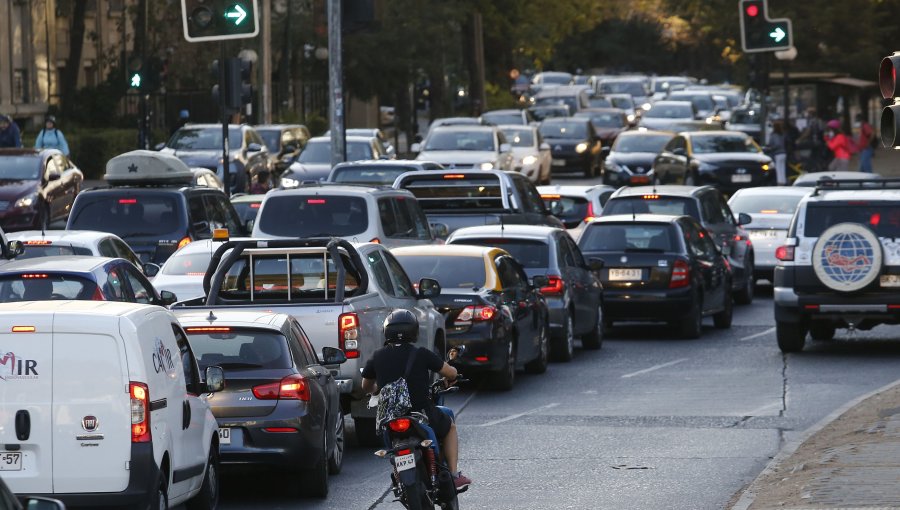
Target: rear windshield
column 44, row 287
column 461, row 140
column 207, row 139
column 882, row 219
column 246, row 211
column 622, row 87
column 628, row 237
column 187, row 264
column 604, row 119
column 310, row 276
column 36, row 251
column 568, row 209
column 21, row 168
column 764, row 204
column 240, row 348
column 380, row 174
column 450, row 272
column 314, row 216
column 711, row 144
column 675, row 206
column 129, row 213
column 457, row 192
column 531, row 254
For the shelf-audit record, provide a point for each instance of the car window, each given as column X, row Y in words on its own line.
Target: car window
column 52, row 167
column 564, row 255
column 130, row 212
column 402, row 285
column 140, row 287
column 509, row 275
column 114, row 288
column 308, row 350
column 199, row 214
column 530, row 198
column 420, row 221
column 652, row 204
column 450, row 272
column 533, row 254
column 240, row 348
column 573, row 250
column 404, row 226
column 45, row 287
column 712, row 212
column 122, row 250
column 220, row 214
column 106, row 248
column 726, row 211
column 379, row 268
column 188, row 362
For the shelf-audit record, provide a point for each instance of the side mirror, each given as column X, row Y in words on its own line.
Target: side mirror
column 440, row 230
column 54, row 176
column 254, row 147
column 14, row 249
column 248, row 226
column 36, row 503
column 455, row 353
column 604, row 151
column 596, row 264
column 215, row 379
column 679, row 151
column 540, row 281
column 333, row 356
column 744, row 218
column 160, row 146
column 167, row 297
column 429, row 288
column 505, row 147
column 544, row 146
column 416, row 147
column 150, row 269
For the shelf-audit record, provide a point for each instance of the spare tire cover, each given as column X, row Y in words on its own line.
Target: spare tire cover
column 847, row 257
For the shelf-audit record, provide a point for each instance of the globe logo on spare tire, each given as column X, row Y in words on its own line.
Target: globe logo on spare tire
column 847, row 257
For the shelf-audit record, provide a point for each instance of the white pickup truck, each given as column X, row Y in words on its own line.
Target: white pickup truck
column 338, row 291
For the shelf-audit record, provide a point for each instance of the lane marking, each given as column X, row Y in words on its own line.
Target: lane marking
column 519, row 415
column 656, row 367
column 757, row 335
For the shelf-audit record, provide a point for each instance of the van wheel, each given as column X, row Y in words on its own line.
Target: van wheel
column 161, row 501
column 365, row 432
column 314, row 481
column 208, row 497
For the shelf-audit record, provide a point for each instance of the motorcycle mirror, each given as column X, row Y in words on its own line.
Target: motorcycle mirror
column 460, row 349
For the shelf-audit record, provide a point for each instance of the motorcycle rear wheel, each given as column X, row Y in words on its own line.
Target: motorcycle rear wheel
column 416, row 499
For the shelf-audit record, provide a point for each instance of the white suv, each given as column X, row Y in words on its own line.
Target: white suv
column 102, row 404
column 840, row 266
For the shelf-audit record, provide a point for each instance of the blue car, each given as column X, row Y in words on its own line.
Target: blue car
column 79, row 278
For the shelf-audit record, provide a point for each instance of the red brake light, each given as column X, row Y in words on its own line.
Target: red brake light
column 784, row 253
column 98, row 295
column 38, row 243
column 127, row 200
column 474, row 313
column 481, row 359
column 681, row 275
column 140, row 412
column 875, row 219
column 255, row 205
column 399, row 425
column 282, row 430
column 590, row 212
column 348, row 334
column 555, row 287
column 31, row 276
column 207, row 329
column 316, row 201
column 292, row 387
column 454, row 176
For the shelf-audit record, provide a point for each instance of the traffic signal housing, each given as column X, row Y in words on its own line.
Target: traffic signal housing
column 758, row 32
column 219, row 20
column 890, row 89
column 136, row 73
column 238, row 90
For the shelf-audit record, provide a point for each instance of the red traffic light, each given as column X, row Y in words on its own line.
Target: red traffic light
column 752, row 10
column 887, row 76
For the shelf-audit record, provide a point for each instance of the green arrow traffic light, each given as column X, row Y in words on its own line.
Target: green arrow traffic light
column 218, row 20
column 236, row 15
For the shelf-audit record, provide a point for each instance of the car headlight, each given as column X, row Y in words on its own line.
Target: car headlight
column 766, row 167
column 27, row 200
column 630, row 117
column 581, row 147
column 529, row 160
column 646, row 106
column 707, row 167
column 287, row 182
column 487, row 166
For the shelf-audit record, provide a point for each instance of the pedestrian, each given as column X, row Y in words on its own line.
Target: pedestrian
column 51, row 137
column 9, row 133
column 778, row 149
column 865, row 143
column 840, row 145
column 260, row 184
column 184, row 116
column 812, row 137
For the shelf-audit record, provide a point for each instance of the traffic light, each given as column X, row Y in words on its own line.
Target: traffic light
column 237, row 88
column 758, row 32
column 135, row 72
column 218, row 20
column 887, row 81
column 246, row 87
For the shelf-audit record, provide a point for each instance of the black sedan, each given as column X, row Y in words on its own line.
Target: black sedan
column 660, row 268
column 281, row 405
column 630, row 159
column 607, row 122
column 489, row 306
column 574, row 145
column 728, row 160
column 37, row 188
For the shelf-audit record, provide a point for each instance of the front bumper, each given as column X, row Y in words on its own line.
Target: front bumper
column 570, row 162
column 20, row 218
column 655, row 305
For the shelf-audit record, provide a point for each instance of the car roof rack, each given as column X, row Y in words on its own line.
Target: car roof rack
column 828, row 184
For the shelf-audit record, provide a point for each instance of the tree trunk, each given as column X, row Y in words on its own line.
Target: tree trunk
column 73, row 63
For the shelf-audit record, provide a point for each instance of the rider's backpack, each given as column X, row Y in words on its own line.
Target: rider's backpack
column 393, row 399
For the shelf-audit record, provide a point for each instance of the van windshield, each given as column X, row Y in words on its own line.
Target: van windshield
column 240, row 348
column 314, row 216
column 44, row 287
column 129, row 213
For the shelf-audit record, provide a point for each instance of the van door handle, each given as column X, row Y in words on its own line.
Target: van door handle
column 23, row 425
column 186, row 415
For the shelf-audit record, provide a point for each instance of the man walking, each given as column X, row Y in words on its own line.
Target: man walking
column 9, row 133
column 865, row 143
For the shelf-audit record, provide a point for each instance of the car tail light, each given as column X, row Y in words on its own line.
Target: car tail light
column 405, row 451
column 140, row 412
column 784, row 253
column 399, row 425
column 650, row 197
column 454, row 176
column 590, row 213
column 348, row 334
column 31, row 276
column 316, row 201
column 128, row 201
column 280, row 430
column 255, row 205
column 292, row 387
column 477, row 313
column 184, row 242
column 681, row 275
column 481, row 359
column 555, row 287
column 98, row 295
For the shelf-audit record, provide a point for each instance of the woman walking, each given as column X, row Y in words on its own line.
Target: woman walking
column 840, row 145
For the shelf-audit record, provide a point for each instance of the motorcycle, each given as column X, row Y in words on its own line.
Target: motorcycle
column 420, row 478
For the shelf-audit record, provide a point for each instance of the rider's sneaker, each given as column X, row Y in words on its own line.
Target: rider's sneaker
column 461, row 482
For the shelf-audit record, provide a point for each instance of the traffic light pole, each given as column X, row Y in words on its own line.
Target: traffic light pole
column 335, row 83
column 223, row 111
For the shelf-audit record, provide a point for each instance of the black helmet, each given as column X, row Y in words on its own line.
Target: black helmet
column 401, row 326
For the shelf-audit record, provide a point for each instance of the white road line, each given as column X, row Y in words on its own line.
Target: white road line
column 760, row 409
column 514, row 416
column 657, row 367
column 757, row 335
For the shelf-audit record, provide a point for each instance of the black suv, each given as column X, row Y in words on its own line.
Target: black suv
column 705, row 204
column 840, row 265
column 154, row 214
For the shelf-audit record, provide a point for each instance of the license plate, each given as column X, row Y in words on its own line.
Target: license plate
column 10, row 461
column 224, row 436
column 620, row 275
column 559, row 162
column 405, row 462
column 890, row 280
column 741, row 178
column 763, row 234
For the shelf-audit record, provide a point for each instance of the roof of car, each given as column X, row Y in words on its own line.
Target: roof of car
column 97, row 308
column 385, row 162
column 503, row 112
column 238, row 318
column 667, row 102
column 23, row 151
column 212, row 126
column 773, row 190
column 573, row 190
column 63, row 264
column 562, row 90
column 323, row 139
column 715, row 132
column 666, row 189
column 258, row 197
column 646, row 132
column 517, row 127
column 516, row 231
column 465, row 127
column 810, row 179
column 278, row 126
column 637, row 218
column 448, row 250
column 336, row 189
column 80, row 237
column 588, row 111
column 852, row 195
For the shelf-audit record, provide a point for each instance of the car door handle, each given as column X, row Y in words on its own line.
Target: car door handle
column 23, row 425
column 186, row 415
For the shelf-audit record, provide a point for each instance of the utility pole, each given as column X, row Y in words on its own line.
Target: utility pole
column 144, row 113
column 335, row 83
column 477, row 92
column 265, row 68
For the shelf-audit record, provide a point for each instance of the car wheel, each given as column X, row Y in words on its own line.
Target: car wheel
column 539, row 364
column 365, row 432
column 564, row 348
column 336, row 460
column 822, row 331
column 504, row 379
column 161, row 501
column 791, row 336
column 744, row 296
column 208, row 497
column 692, row 326
column 722, row 320
column 594, row 338
column 314, row 480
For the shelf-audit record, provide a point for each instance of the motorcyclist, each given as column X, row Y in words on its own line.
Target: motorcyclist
column 401, row 330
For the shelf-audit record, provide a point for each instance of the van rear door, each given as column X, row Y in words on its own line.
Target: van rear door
column 26, row 392
column 91, row 405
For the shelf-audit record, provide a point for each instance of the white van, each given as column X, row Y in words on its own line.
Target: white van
column 101, row 404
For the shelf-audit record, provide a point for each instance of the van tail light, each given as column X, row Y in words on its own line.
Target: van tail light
column 471, row 314
column 292, row 387
column 784, row 253
column 348, row 334
column 681, row 275
column 555, row 287
column 140, row 412
column 399, row 425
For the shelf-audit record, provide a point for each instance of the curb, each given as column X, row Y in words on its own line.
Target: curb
column 748, row 493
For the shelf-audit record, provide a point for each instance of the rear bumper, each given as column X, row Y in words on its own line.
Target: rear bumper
column 251, row 444
column 860, row 310
column 142, row 480
column 480, row 342
column 556, row 312
column 662, row 305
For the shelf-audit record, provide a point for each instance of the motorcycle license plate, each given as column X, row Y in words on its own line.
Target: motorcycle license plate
column 404, row 462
